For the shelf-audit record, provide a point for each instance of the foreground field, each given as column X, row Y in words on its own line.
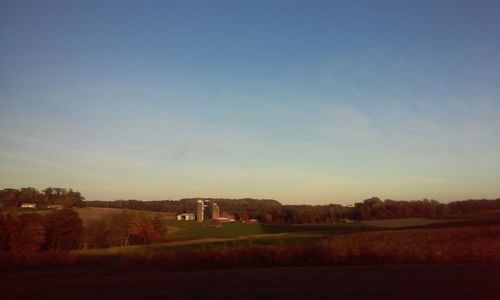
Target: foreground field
column 347, row 260
column 427, row 281
column 437, row 245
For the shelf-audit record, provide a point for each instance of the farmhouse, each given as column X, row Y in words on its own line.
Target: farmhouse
column 186, row 217
column 55, row 206
column 28, row 205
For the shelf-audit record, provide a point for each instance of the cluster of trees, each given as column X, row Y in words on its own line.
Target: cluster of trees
column 49, row 196
column 374, row 208
column 26, row 234
column 472, row 206
column 295, row 214
column 124, row 228
column 29, row 233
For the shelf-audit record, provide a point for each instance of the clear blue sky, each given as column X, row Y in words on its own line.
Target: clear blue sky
column 302, row 101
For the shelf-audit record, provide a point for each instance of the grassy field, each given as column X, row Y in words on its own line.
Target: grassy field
column 92, row 213
column 88, row 213
column 470, row 219
column 460, row 244
column 191, row 235
column 194, row 235
column 191, row 230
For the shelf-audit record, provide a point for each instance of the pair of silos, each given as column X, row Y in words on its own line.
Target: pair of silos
column 205, row 210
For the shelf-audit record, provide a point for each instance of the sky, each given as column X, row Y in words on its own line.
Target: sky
column 308, row 102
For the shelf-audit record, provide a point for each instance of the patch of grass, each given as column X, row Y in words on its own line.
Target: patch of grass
column 194, row 235
column 195, row 230
column 88, row 213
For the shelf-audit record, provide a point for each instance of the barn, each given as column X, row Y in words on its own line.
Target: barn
column 185, row 217
column 28, row 205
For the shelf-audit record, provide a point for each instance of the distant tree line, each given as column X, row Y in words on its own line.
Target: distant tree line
column 49, row 196
column 374, row 208
column 273, row 212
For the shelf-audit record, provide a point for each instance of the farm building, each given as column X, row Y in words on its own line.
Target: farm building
column 205, row 210
column 185, row 217
column 200, row 211
column 215, row 211
column 55, row 206
column 28, row 205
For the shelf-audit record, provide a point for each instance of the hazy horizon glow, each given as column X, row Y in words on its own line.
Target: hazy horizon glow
column 299, row 101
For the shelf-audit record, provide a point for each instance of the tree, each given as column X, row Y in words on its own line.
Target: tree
column 8, row 197
column 142, row 230
column 26, row 234
column 97, row 234
column 159, row 224
column 118, row 228
column 124, row 228
column 64, row 230
column 268, row 218
column 29, row 195
column 5, row 224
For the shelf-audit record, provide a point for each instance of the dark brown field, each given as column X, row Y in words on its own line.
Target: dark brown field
column 409, row 281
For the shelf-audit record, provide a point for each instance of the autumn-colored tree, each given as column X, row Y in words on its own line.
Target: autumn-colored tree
column 112, row 230
column 124, row 228
column 26, row 234
column 97, row 234
column 142, row 229
column 5, row 221
column 159, row 224
column 64, row 197
column 268, row 218
column 64, row 230
column 118, row 227
column 8, row 197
